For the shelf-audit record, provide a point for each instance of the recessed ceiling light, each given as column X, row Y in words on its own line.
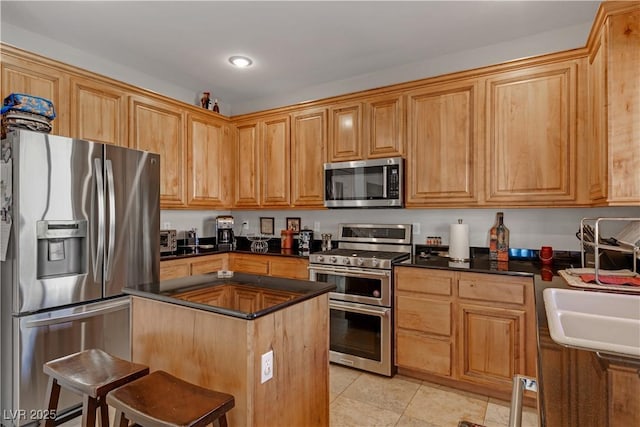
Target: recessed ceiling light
column 241, row 61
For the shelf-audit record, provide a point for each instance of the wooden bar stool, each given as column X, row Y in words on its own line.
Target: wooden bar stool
column 162, row 400
column 92, row 374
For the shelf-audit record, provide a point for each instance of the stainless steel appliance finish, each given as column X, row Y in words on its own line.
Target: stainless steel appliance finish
column 168, row 241
column 85, row 224
column 224, row 231
column 364, row 183
column 361, row 307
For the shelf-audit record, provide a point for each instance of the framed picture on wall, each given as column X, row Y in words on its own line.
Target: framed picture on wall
column 266, row 225
column 293, row 223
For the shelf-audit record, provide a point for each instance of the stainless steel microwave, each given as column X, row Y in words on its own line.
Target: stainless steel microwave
column 364, row 183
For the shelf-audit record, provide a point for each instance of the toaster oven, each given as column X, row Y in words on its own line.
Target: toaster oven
column 168, row 241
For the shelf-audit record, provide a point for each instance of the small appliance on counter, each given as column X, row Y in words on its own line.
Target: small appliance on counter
column 224, row 232
column 305, row 240
column 168, row 241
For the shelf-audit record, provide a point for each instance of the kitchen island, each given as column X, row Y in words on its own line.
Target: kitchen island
column 213, row 331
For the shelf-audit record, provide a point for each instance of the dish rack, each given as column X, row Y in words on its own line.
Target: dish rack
column 626, row 241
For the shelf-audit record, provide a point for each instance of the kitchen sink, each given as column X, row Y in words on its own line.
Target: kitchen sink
column 595, row 321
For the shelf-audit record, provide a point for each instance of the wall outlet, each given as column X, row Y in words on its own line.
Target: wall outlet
column 245, row 225
column 166, row 226
column 316, row 225
column 266, row 370
column 416, row 228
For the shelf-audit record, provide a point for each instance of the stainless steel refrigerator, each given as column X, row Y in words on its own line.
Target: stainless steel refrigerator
column 85, row 223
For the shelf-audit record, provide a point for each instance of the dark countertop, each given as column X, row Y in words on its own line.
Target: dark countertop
column 188, row 253
column 165, row 290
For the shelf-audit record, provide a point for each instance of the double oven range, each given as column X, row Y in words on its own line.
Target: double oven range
column 361, row 318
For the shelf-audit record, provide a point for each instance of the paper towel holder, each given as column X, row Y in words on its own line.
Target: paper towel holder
column 459, row 246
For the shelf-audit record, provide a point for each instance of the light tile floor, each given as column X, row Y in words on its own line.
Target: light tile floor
column 362, row 399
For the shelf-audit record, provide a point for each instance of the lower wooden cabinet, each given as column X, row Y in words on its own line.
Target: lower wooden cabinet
column 266, row 265
column 183, row 267
column 472, row 330
column 270, row 265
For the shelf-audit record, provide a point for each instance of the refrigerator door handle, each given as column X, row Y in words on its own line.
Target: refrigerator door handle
column 106, row 308
column 111, row 192
column 100, row 191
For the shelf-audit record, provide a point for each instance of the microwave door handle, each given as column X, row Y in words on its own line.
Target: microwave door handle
column 100, row 192
column 384, row 182
column 111, row 191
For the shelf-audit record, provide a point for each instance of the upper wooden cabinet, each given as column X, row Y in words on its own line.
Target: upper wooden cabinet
column 366, row 129
column 209, row 162
column 308, row 155
column 21, row 75
column 443, row 145
column 98, row 111
column 247, row 171
column 531, row 130
column 345, row 132
column 158, row 126
column 276, row 161
column 614, row 92
column 385, row 124
column 263, row 165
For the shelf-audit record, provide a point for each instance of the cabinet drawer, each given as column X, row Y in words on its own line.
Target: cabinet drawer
column 424, row 280
column 174, row 269
column 424, row 315
column 493, row 288
column 423, row 353
column 249, row 264
column 208, row 264
column 289, row 267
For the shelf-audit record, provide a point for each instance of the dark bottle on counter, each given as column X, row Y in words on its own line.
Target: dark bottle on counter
column 216, row 109
column 499, row 240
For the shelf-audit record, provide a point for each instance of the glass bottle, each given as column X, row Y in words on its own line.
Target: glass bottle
column 499, row 240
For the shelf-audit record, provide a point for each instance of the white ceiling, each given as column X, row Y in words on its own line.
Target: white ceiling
column 294, row 44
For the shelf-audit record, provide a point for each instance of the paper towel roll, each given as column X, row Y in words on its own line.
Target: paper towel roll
column 459, row 242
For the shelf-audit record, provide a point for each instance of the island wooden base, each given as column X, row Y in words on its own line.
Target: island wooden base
column 224, row 353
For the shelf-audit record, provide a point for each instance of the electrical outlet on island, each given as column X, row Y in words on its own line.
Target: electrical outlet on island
column 266, row 370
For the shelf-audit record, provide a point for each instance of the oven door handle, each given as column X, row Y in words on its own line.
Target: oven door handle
column 360, row 308
column 351, row 271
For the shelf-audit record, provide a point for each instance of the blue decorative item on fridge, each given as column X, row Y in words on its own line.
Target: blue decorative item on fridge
column 29, row 104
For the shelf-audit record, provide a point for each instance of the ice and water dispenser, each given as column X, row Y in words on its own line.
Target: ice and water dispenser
column 61, row 248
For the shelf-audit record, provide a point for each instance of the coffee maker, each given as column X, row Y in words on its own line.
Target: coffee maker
column 224, row 232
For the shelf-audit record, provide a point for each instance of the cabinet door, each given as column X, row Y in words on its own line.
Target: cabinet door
column 597, row 123
column 292, row 268
column 422, row 314
column 491, row 345
column 247, row 301
column 208, row 264
column 271, row 298
column 345, row 132
column 20, row 75
column 276, row 158
column 158, row 127
column 174, row 269
column 385, row 136
column 531, row 135
column 252, row 264
column 209, row 163
column 308, row 155
column 98, row 111
column 623, row 109
column 247, row 194
column 443, row 145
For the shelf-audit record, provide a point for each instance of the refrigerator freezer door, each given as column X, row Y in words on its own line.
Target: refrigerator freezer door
column 132, row 241
column 46, row 336
column 54, row 184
